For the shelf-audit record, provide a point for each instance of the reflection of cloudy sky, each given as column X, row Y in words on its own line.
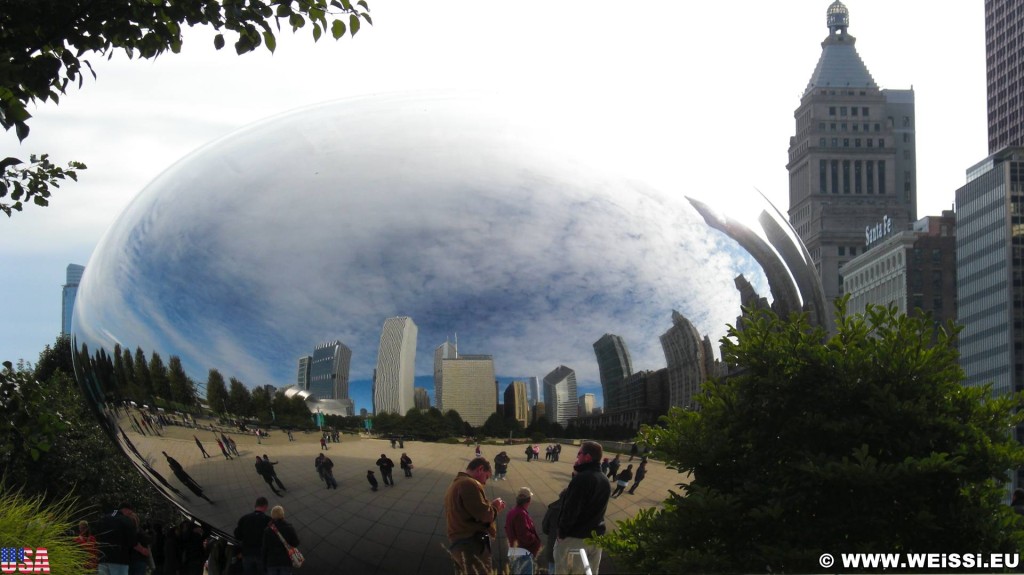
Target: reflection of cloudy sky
column 319, row 226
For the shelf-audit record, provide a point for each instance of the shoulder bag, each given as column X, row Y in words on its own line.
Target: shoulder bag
column 293, row 552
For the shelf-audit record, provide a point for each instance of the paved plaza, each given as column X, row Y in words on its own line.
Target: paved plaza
column 398, row 529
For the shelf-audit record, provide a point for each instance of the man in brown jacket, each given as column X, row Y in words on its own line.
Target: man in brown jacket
column 470, row 517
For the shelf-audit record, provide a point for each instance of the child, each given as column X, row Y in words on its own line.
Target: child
column 604, row 466
column 371, row 479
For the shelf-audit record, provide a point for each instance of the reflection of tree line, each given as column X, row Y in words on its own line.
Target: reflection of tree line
column 120, row 376
column 258, row 404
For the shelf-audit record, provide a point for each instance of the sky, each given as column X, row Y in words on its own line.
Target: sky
column 704, row 90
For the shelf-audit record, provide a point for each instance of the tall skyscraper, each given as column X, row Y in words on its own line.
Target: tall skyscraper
column 421, row 399
column 468, row 387
column 614, row 366
column 852, row 158
column 329, row 370
column 586, row 405
column 516, row 404
column 446, row 350
column 560, row 398
column 396, row 362
column 690, row 360
column 73, row 276
column 1004, row 57
column 302, row 378
column 533, row 391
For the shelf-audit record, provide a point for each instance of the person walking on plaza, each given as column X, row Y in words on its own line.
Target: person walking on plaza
column 529, row 453
column 583, row 509
column 249, row 533
column 470, row 519
column 223, row 449
column 273, row 552
column 323, row 443
column 261, row 468
column 201, row 448
column 327, row 471
column 371, row 479
column 622, row 480
column 386, row 465
column 269, row 466
column 613, row 467
column 406, row 463
column 523, row 540
column 641, row 472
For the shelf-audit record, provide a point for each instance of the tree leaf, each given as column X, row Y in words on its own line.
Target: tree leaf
column 353, row 24
column 218, row 41
column 270, row 41
column 337, row 29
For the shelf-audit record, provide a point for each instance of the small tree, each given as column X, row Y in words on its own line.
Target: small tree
column 860, row 442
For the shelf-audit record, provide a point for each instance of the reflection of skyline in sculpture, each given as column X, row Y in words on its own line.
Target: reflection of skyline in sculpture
column 560, row 399
column 613, row 365
column 690, row 360
column 396, row 362
column 446, row 350
column 517, row 406
column 468, row 387
column 328, row 373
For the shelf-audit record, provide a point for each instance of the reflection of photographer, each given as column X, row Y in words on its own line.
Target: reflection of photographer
column 470, row 517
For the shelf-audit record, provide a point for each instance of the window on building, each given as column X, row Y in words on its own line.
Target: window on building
column 853, row 250
column 834, row 170
column 822, row 175
column 869, row 176
column 878, row 127
column 831, row 110
column 864, row 111
column 906, row 121
column 881, row 177
column 822, row 142
column 906, row 137
column 842, row 110
column 856, row 142
column 842, row 127
column 835, row 142
column 821, row 126
column 846, row 142
column 846, row 176
column 881, row 143
column 832, row 127
column 857, row 188
column 936, row 256
column 853, row 111
column 842, row 250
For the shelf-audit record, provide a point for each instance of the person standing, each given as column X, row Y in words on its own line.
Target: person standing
column 371, row 479
column 622, row 480
column 386, row 465
column 273, row 552
column 201, row 448
column 641, row 472
column 470, row 519
column 406, row 463
column 249, row 533
column 116, row 535
column 549, row 526
column 529, row 453
column 633, row 451
column 583, row 509
column 523, row 541
column 88, row 542
column 501, row 462
column 261, row 469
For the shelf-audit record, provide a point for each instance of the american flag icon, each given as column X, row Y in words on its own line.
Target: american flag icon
column 11, row 558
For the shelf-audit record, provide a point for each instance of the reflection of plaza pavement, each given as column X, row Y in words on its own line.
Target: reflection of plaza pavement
column 397, row 529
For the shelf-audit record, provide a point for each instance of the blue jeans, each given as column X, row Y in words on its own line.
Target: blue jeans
column 112, row 569
column 279, row 571
column 252, row 565
column 521, row 565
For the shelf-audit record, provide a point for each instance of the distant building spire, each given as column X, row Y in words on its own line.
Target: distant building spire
column 838, row 18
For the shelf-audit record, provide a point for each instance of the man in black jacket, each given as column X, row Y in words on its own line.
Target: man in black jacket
column 249, row 533
column 583, row 508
